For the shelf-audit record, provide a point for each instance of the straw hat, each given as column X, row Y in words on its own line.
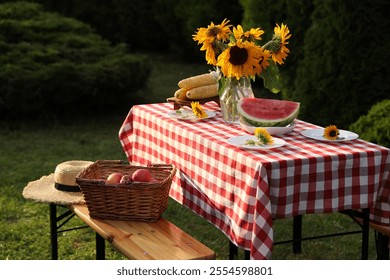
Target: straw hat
column 65, row 175
column 60, row 187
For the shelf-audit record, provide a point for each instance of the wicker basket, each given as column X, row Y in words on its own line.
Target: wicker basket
column 138, row 201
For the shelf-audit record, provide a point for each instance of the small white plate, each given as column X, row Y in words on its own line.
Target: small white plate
column 318, row 134
column 239, row 141
column 275, row 130
column 188, row 115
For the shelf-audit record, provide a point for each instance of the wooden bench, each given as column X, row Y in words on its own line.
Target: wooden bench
column 161, row 240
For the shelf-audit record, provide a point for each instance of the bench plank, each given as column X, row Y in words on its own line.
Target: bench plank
column 160, row 240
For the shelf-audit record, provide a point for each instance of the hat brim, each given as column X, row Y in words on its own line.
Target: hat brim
column 43, row 190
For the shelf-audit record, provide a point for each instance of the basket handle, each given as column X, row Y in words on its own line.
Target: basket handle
column 111, row 161
column 160, row 165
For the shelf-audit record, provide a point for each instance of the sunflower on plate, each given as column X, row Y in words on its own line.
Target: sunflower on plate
column 198, row 111
column 331, row 132
column 263, row 136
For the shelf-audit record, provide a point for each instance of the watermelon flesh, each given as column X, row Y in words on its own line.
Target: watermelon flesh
column 262, row 112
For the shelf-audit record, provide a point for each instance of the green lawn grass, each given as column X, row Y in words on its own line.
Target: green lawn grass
column 29, row 150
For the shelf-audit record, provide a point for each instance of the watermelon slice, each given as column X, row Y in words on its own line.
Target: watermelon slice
column 261, row 112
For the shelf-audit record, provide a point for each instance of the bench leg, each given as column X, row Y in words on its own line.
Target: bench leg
column 53, row 231
column 100, row 247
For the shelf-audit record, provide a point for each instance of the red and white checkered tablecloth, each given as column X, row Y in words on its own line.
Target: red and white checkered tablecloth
column 241, row 191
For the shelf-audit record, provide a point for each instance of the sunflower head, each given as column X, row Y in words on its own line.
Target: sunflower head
column 212, row 39
column 331, row 132
column 263, row 136
column 240, row 59
column 254, row 34
column 213, row 32
column 277, row 45
column 211, row 54
column 198, row 110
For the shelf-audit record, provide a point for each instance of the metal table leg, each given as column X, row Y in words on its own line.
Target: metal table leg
column 233, row 251
column 382, row 246
column 297, row 234
column 365, row 232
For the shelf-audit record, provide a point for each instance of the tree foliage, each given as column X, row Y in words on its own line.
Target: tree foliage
column 153, row 25
column 52, row 64
column 344, row 69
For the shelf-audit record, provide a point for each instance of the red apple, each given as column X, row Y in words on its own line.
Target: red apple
column 142, row 175
column 114, row 178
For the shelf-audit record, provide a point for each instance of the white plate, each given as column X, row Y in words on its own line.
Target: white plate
column 275, row 130
column 318, row 134
column 188, row 115
column 239, row 141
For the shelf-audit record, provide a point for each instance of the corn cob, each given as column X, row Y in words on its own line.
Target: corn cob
column 181, row 93
column 199, row 80
column 202, row 92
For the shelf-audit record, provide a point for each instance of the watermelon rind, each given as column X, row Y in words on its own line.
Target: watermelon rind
column 273, row 130
column 258, row 122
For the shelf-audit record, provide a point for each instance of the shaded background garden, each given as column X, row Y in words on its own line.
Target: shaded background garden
column 71, row 70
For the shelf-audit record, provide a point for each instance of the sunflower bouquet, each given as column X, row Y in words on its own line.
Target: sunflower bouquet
column 239, row 57
column 238, row 53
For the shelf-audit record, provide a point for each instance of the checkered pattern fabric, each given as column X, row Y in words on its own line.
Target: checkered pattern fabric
column 242, row 191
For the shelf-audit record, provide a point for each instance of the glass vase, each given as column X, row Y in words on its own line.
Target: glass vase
column 230, row 92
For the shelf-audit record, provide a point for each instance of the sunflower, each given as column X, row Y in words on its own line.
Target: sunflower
column 331, row 132
column 198, row 110
column 211, row 39
column 210, row 52
column 252, row 35
column 213, row 32
column 240, row 59
column 264, row 137
column 279, row 39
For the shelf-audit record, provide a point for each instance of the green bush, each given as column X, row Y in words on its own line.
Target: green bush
column 344, row 70
column 375, row 126
column 50, row 64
